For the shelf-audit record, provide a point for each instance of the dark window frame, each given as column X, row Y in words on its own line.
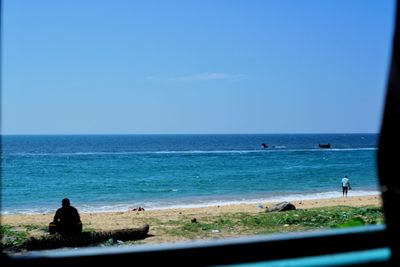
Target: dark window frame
column 278, row 246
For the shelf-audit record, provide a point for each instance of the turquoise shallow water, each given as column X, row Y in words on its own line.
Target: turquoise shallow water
column 118, row 172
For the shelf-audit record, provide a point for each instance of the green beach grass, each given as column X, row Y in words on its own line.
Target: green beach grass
column 240, row 224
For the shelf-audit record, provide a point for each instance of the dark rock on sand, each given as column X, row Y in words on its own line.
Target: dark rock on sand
column 281, row 206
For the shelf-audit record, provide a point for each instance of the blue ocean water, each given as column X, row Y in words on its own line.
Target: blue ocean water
column 119, row 172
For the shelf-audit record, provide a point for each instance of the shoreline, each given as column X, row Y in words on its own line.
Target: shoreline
column 199, row 203
column 111, row 220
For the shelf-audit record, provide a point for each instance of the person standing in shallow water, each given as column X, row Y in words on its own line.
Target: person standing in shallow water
column 345, row 185
column 66, row 220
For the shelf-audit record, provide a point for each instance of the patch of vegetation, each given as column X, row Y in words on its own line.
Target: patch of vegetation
column 11, row 237
column 88, row 229
column 274, row 222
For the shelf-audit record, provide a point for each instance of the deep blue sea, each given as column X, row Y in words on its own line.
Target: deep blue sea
column 120, row 172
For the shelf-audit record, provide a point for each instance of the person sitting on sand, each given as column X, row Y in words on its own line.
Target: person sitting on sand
column 66, row 220
column 345, row 185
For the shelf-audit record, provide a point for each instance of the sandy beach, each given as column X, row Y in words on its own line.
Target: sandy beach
column 131, row 219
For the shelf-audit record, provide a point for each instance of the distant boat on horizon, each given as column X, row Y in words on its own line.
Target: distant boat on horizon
column 324, row 145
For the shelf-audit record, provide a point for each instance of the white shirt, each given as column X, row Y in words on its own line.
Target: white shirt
column 345, row 182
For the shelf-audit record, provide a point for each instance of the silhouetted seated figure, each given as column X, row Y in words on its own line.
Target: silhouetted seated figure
column 66, row 220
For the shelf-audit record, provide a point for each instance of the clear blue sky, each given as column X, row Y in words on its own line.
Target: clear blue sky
column 209, row 66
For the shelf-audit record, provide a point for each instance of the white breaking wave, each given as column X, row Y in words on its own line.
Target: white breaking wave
column 269, row 150
column 176, row 204
column 273, row 199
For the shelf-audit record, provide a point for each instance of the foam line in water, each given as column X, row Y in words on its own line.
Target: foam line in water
column 174, row 204
column 188, row 152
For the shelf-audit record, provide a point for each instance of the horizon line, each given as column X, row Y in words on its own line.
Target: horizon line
column 74, row 134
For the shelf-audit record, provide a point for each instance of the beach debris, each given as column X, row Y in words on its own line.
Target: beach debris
column 215, row 231
column 138, row 209
column 260, row 206
column 281, row 206
column 194, row 220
